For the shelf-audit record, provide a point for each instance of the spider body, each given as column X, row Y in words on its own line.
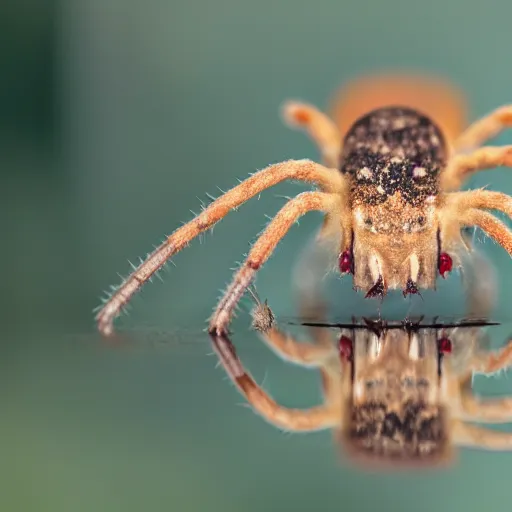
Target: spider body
column 388, row 188
column 392, row 158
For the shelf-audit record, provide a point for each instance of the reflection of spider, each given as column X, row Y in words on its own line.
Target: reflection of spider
column 385, row 191
column 398, row 394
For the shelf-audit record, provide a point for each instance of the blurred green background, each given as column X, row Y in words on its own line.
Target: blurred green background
column 114, row 116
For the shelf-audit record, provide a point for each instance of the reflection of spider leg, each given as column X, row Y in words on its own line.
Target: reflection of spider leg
column 308, row 274
column 492, row 361
column 314, row 264
column 320, row 354
column 284, row 345
column 316, row 418
column 465, row 434
column 490, row 410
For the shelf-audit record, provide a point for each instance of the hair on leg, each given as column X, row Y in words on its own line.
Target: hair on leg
column 303, row 170
column 461, row 166
column 298, row 420
column 263, row 248
column 493, row 227
column 484, row 129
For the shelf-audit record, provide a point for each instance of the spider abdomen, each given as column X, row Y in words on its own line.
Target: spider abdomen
column 391, row 150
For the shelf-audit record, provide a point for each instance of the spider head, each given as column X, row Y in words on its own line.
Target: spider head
column 394, row 412
column 396, row 245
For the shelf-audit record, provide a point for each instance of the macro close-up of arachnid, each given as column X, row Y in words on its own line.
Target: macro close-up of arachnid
column 252, row 262
column 395, row 153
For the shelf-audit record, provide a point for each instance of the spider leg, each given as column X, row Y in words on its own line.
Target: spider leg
column 493, row 227
column 286, row 346
column 492, row 361
column 468, row 435
column 481, row 199
column 461, row 166
column 299, row 420
column 308, row 273
column 320, row 354
column 484, row 129
column 263, row 248
column 318, row 125
column 486, row 411
column 303, row 170
column 308, row 277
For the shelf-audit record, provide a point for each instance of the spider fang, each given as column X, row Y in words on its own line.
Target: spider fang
column 377, row 290
column 411, row 288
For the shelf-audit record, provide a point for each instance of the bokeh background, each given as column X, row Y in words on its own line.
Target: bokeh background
column 115, row 116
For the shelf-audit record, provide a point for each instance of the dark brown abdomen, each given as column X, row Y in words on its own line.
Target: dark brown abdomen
column 394, row 149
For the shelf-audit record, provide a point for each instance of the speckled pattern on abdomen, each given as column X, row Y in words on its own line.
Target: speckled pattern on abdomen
column 393, row 149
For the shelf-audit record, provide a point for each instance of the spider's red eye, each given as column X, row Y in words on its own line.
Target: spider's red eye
column 345, row 262
column 345, row 348
column 445, row 263
column 445, row 345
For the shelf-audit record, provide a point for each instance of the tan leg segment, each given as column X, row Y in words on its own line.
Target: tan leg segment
column 303, row 170
column 319, row 127
column 484, row 129
column 263, row 248
column 298, row 352
column 461, row 167
column 482, row 199
column 472, row 436
column 320, row 354
column 316, row 418
column 492, row 361
column 493, row 227
column 486, row 411
column 285, row 345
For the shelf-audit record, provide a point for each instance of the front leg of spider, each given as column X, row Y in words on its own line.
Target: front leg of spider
column 263, row 248
column 327, row 180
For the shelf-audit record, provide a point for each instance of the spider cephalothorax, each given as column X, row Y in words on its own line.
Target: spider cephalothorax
column 386, row 190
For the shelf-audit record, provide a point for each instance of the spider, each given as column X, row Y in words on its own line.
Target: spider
column 394, row 394
column 388, row 188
